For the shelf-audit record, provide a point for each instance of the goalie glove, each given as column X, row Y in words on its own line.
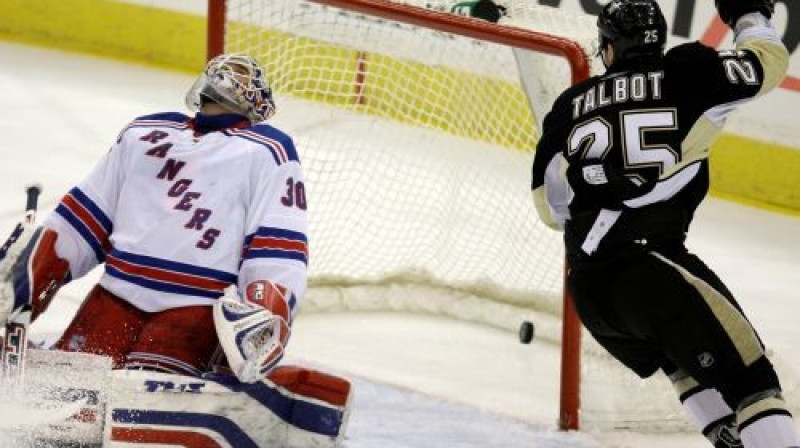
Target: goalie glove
column 30, row 271
column 730, row 11
column 252, row 331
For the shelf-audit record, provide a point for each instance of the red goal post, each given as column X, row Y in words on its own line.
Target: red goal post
column 570, row 51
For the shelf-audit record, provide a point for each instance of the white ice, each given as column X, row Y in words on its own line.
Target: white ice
column 421, row 381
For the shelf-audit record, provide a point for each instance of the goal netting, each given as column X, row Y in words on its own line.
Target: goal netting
column 417, row 148
column 417, row 153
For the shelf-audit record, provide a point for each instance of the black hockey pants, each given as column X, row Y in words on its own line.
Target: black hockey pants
column 665, row 309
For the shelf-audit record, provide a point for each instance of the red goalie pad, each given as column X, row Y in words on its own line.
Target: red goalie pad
column 312, row 383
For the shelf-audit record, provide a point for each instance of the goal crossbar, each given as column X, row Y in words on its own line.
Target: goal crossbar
column 475, row 28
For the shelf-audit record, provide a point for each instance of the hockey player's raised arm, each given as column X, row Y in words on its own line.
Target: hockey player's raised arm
column 756, row 66
column 754, row 32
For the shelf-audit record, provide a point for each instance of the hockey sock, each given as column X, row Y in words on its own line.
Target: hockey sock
column 708, row 410
column 764, row 422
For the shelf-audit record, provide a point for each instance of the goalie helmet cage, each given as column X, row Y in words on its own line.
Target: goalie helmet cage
column 274, row 30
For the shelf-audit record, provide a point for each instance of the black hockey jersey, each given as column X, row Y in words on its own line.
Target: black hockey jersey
column 652, row 120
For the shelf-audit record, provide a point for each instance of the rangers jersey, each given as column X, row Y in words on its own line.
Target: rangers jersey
column 180, row 208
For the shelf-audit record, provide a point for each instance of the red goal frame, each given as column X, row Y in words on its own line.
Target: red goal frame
column 479, row 29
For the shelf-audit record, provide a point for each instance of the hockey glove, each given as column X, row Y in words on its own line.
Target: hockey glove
column 731, row 10
column 487, row 10
column 252, row 336
column 30, row 271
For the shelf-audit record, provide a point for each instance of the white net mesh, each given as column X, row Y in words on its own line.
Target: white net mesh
column 417, row 148
column 421, row 172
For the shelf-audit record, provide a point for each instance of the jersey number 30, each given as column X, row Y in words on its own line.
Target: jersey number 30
column 295, row 195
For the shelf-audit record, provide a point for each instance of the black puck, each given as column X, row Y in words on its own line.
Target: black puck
column 526, row 332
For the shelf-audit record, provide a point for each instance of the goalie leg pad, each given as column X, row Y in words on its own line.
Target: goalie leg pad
column 220, row 411
column 312, row 383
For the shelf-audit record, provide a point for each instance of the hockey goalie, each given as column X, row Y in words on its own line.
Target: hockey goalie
column 199, row 223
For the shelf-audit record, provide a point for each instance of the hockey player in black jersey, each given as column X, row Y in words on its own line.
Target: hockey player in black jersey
column 621, row 166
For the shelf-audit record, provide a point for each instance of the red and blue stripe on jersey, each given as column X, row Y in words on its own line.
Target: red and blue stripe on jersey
column 279, row 144
column 167, row 276
column 86, row 217
column 273, row 242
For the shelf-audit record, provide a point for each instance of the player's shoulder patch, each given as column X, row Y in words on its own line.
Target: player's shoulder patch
column 279, row 144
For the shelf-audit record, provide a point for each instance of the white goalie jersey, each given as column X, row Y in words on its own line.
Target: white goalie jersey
column 177, row 216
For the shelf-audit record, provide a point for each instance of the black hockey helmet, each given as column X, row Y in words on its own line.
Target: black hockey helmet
column 634, row 28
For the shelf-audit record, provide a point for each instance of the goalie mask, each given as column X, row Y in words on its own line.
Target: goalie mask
column 237, row 83
column 634, row 28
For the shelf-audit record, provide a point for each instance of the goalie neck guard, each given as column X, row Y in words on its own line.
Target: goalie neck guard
column 634, row 28
column 236, row 82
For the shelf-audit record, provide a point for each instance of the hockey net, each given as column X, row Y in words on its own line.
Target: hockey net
column 417, row 152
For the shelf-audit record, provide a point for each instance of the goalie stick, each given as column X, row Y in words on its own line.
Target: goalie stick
column 15, row 343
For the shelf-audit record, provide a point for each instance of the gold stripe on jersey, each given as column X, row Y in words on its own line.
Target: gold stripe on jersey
column 732, row 320
column 774, row 59
column 696, row 146
column 761, row 406
column 685, row 384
